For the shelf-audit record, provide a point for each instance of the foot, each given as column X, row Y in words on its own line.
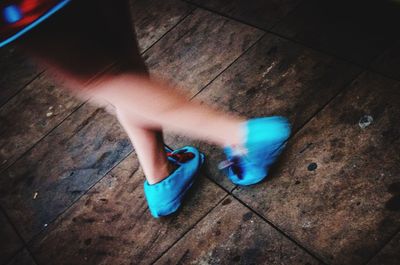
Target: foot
column 165, row 197
column 264, row 141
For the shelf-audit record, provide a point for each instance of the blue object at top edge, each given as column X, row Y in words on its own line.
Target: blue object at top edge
column 35, row 23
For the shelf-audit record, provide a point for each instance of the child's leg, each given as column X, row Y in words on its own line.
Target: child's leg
column 149, row 147
column 63, row 47
column 160, row 106
column 79, row 50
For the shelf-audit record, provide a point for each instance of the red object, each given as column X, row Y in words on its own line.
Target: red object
column 30, row 10
column 181, row 157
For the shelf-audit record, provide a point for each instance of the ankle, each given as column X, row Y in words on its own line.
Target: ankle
column 237, row 135
column 162, row 173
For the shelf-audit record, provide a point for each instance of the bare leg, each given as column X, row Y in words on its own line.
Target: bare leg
column 70, row 46
column 162, row 107
column 149, row 147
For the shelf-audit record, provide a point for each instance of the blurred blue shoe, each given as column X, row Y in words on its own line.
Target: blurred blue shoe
column 265, row 140
column 165, row 197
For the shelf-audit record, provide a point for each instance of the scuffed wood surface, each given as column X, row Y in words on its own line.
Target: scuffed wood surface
column 198, row 49
column 78, row 153
column 231, row 234
column 29, row 116
column 16, row 72
column 153, row 18
column 24, row 120
column 62, row 167
column 111, row 224
column 275, row 77
column 259, row 13
column 332, row 191
column 335, row 191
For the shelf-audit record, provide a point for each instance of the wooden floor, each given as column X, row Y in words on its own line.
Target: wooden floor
column 71, row 186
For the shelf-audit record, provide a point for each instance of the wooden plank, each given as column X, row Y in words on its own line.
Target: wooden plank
column 10, row 242
column 153, row 18
column 16, row 71
column 388, row 63
column 390, row 254
column 356, row 30
column 259, row 13
column 112, row 225
column 231, row 234
column 198, row 49
column 26, row 118
column 90, row 142
column 22, row 258
column 332, row 191
column 275, row 77
column 61, row 168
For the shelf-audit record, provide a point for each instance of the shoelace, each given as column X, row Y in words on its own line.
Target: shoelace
column 182, row 156
column 232, row 164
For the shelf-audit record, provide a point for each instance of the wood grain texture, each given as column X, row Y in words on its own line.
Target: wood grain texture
column 89, row 143
column 111, row 224
column 259, row 13
column 153, row 18
column 355, row 30
column 16, row 72
column 10, row 242
column 22, row 258
column 24, row 120
column 61, row 168
column 198, row 49
column 37, row 110
column 231, row 234
column 389, row 255
column 275, row 77
column 332, row 192
column 388, row 63
column 34, row 112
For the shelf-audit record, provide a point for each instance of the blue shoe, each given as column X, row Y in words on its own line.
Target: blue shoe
column 165, row 197
column 265, row 140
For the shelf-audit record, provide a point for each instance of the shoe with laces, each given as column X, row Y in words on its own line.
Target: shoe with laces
column 265, row 138
column 165, row 197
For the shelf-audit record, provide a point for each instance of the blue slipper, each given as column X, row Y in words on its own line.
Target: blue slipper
column 265, row 140
column 165, row 197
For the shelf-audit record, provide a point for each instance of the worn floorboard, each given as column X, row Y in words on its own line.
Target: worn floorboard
column 112, row 225
column 390, row 254
column 259, row 13
column 22, row 258
column 90, row 142
column 60, row 168
column 275, row 77
column 16, row 72
column 26, row 118
column 388, row 63
column 332, row 192
column 198, row 49
column 231, row 234
column 10, row 242
column 355, row 30
column 153, row 18
column 44, row 103
column 335, row 190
